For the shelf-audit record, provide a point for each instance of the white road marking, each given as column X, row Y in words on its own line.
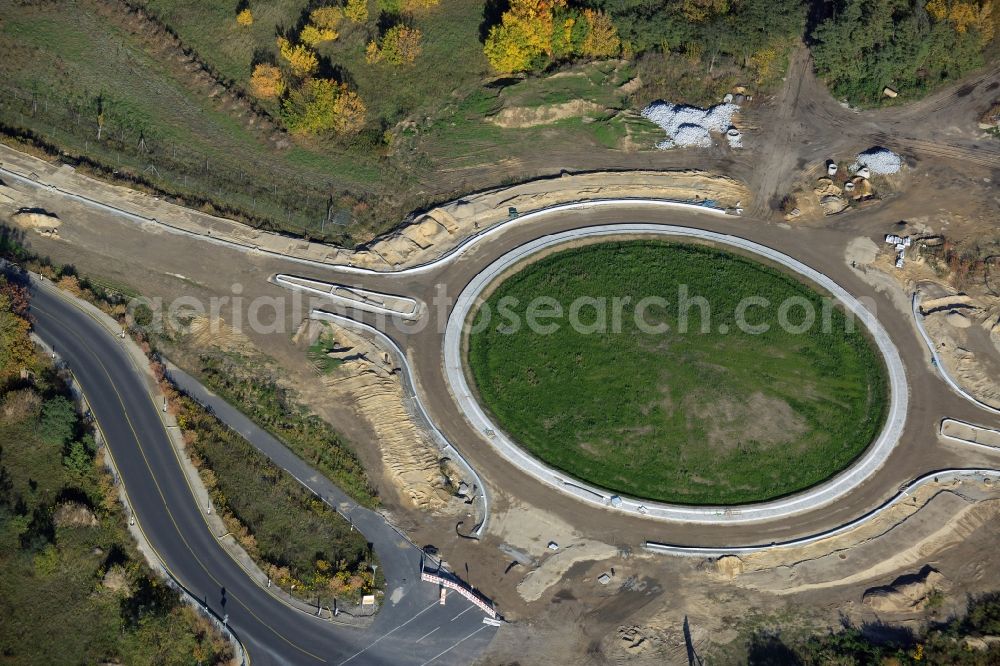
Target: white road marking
column 391, row 631
column 462, row 613
column 453, row 646
column 427, row 634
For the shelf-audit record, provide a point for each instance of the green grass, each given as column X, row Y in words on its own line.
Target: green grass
column 319, row 354
column 428, row 137
column 251, row 388
column 694, row 418
column 288, row 526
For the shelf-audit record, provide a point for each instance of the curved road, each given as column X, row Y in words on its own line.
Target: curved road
column 818, row 249
column 808, row 500
column 412, row 628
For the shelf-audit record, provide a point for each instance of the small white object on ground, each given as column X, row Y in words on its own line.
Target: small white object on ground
column 734, row 137
column 553, row 545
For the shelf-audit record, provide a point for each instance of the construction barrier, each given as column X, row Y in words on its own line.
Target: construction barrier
column 461, row 589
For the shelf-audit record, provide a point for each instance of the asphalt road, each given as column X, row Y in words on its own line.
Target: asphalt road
column 412, row 627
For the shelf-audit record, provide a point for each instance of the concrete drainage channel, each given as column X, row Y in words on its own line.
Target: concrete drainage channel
column 823, row 494
column 986, row 476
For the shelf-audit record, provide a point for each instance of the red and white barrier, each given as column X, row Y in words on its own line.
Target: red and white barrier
column 465, row 592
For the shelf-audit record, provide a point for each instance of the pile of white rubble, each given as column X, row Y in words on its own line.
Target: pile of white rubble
column 879, row 161
column 688, row 125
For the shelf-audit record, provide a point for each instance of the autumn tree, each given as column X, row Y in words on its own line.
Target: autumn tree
column 523, row 36
column 964, row 16
column 266, row 82
column 302, row 61
column 870, row 44
column 311, row 35
column 535, row 32
column 322, row 26
column 327, row 18
column 16, row 349
column 357, row 10
column 245, row 18
column 323, row 107
column 702, row 10
column 602, row 39
column 399, row 46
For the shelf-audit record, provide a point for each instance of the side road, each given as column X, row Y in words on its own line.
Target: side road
column 412, row 627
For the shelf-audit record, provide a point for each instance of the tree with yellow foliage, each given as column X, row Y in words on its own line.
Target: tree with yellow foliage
column 417, row 5
column 322, row 26
column 350, row 112
column 965, row 15
column 17, row 351
column 602, row 39
column 400, row 46
column 266, row 82
column 534, row 32
column 698, row 11
column 356, row 10
column 301, row 60
column 245, row 18
column 326, row 18
column 312, row 35
column 523, row 35
column 323, row 106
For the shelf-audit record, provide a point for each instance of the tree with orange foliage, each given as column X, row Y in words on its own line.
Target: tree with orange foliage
column 266, row 82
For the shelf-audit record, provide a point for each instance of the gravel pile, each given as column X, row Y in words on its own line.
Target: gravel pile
column 689, row 125
column 879, row 161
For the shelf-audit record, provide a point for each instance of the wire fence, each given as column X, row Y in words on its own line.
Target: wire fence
column 263, row 193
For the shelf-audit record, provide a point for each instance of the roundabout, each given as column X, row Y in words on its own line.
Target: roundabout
column 675, row 372
column 812, row 498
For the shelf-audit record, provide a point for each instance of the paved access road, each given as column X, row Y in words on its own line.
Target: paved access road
column 412, row 628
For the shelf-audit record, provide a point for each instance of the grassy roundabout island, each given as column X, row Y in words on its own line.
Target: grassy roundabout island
column 681, row 397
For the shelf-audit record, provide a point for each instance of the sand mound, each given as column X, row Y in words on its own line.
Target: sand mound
column 370, row 379
column 36, row 218
column 906, row 594
column 73, row 514
column 530, row 116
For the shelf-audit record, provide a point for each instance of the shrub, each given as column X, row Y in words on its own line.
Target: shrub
column 245, row 18
column 266, row 82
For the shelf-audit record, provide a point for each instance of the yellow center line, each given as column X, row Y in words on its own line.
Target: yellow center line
column 138, row 441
